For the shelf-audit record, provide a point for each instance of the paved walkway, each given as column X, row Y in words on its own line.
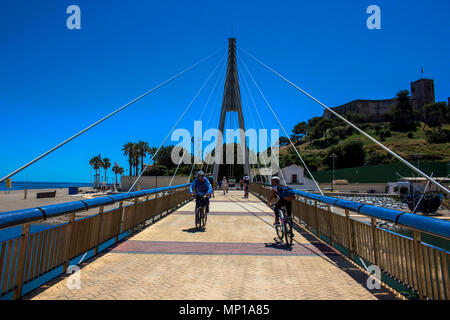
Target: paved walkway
column 236, row 257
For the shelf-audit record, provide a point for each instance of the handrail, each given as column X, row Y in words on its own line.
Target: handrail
column 429, row 225
column 21, row 216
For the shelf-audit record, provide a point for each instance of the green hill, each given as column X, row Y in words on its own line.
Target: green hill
column 355, row 150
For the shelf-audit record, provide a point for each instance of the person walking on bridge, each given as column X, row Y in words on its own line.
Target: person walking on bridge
column 213, row 184
column 201, row 187
column 225, row 185
column 246, row 183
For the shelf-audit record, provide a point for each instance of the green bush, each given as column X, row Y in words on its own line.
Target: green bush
column 442, row 136
column 157, row 170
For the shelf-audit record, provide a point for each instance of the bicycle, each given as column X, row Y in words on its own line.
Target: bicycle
column 284, row 228
column 245, row 191
column 200, row 213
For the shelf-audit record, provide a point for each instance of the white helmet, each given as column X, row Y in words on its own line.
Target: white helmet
column 276, row 179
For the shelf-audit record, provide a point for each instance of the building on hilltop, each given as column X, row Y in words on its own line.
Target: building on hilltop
column 422, row 93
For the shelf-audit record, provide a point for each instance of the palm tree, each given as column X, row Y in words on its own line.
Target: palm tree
column 106, row 163
column 96, row 162
column 143, row 148
column 117, row 170
column 135, row 155
column 128, row 151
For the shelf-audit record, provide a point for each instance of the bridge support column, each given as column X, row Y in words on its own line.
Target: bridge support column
column 231, row 103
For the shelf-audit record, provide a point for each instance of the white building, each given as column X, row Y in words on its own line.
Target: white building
column 293, row 174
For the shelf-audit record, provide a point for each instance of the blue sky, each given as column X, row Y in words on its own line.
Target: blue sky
column 55, row 82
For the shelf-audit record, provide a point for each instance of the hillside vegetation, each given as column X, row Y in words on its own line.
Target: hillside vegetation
column 414, row 137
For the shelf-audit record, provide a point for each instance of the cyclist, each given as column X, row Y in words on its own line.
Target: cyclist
column 202, row 188
column 211, row 181
column 246, row 182
column 279, row 198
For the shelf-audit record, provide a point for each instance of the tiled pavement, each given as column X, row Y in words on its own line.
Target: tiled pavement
column 236, row 257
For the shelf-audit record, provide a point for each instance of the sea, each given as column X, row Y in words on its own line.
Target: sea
column 21, row 185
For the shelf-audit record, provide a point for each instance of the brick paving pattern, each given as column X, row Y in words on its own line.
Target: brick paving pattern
column 235, row 257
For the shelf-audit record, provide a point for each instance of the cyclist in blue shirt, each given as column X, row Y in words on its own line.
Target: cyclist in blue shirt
column 202, row 188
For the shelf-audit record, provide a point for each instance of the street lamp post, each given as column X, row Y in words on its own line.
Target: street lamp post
column 334, row 173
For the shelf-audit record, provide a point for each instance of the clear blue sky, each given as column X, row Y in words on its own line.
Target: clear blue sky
column 55, row 82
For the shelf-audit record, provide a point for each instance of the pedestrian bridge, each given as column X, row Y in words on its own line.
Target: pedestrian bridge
column 148, row 248
column 142, row 245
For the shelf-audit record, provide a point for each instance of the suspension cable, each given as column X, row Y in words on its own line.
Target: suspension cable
column 176, row 124
column 106, row 117
column 201, row 115
column 209, row 120
column 253, row 123
column 281, row 172
column 262, row 124
column 352, row 125
column 270, row 107
column 193, row 164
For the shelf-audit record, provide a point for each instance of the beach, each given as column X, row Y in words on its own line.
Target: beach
column 14, row 200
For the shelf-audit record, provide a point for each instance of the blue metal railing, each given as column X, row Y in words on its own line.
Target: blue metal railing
column 429, row 225
column 18, row 217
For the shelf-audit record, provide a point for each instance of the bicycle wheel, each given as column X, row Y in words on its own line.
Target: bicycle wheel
column 289, row 234
column 279, row 229
column 204, row 217
column 198, row 220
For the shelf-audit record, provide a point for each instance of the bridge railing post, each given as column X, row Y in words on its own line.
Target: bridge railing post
column 330, row 224
column 419, row 263
column 316, row 214
column 373, row 223
column 68, row 242
column 24, row 240
column 351, row 234
column 120, row 222
column 99, row 230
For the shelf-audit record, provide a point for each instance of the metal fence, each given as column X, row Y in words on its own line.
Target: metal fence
column 29, row 256
column 417, row 265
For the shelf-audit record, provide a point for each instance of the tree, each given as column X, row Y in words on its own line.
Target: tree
column 164, row 157
column 284, row 141
column 157, row 170
column 106, row 163
column 128, row 151
column 300, row 131
column 117, row 170
column 402, row 113
column 435, row 114
column 350, row 153
column 135, row 158
column 142, row 149
column 96, row 163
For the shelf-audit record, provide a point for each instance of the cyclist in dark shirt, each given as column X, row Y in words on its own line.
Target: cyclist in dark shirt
column 278, row 200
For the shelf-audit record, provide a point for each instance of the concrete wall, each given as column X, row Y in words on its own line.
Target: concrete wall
column 150, row 182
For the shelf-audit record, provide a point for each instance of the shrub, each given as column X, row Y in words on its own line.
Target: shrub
column 442, row 136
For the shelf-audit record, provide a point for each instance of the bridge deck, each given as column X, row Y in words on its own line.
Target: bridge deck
column 236, row 257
